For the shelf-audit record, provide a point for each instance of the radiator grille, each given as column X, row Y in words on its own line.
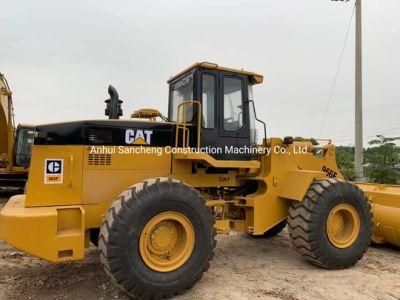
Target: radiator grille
column 99, row 159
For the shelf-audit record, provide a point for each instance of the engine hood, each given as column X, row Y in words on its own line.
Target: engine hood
column 106, row 132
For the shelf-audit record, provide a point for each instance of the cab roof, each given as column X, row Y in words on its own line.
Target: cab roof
column 253, row 77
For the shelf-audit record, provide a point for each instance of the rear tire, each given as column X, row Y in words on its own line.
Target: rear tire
column 157, row 239
column 331, row 227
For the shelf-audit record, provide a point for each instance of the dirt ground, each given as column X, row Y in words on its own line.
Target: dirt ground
column 243, row 268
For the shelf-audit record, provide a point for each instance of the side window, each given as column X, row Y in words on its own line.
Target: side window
column 233, row 104
column 181, row 91
column 208, row 100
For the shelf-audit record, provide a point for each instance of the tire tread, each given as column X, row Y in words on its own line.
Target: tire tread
column 304, row 217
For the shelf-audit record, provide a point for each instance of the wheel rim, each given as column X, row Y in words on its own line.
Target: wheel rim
column 343, row 225
column 167, row 241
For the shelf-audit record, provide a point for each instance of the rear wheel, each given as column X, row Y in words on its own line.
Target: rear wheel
column 331, row 227
column 157, row 239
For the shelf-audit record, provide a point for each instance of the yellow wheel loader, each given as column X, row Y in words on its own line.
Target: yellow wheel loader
column 152, row 192
column 15, row 144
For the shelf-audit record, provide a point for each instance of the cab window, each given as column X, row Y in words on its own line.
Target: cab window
column 181, row 91
column 208, row 101
column 233, row 104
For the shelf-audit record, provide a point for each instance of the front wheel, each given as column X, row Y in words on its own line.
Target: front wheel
column 331, row 227
column 157, row 239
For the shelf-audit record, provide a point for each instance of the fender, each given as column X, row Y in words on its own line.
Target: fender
column 296, row 184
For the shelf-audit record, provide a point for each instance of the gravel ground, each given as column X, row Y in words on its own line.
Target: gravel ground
column 243, row 268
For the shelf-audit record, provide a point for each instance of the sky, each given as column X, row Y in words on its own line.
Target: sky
column 60, row 56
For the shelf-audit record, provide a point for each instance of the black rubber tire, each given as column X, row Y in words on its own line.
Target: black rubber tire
column 272, row 232
column 307, row 224
column 122, row 226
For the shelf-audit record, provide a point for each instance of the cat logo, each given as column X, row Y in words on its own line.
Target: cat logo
column 138, row 137
column 53, row 171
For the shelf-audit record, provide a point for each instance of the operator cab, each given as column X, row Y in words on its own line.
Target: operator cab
column 228, row 114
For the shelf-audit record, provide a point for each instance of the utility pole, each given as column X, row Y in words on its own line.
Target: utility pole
column 359, row 172
column 358, row 137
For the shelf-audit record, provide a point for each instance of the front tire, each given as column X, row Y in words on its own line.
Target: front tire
column 157, row 239
column 331, row 227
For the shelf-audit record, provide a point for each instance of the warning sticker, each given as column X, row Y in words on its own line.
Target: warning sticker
column 53, row 171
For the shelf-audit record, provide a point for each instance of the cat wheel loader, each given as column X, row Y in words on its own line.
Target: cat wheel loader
column 152, row 192
column 15, row 144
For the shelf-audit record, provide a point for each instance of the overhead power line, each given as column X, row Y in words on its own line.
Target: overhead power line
column 337, row 71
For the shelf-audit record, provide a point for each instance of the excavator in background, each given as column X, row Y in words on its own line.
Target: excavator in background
column 15, row 144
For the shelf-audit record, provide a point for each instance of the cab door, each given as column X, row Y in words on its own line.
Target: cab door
column 233, row 125
column 225, row 123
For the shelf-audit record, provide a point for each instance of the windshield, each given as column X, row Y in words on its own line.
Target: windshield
column 181, row 91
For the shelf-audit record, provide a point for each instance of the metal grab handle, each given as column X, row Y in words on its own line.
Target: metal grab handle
column 183, row 125
column 71, row 172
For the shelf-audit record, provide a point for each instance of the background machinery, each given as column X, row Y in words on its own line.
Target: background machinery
column 15, row 144
column 153, row 194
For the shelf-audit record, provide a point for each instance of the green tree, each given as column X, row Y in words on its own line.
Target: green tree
column 381, row 159
column 345, row 161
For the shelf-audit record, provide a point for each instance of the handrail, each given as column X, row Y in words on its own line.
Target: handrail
column 258, row 120
column 182, row 125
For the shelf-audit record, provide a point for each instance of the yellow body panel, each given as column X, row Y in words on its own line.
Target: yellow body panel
column 207, row 159
column 103, row 183
column 278, row 184
column 69, row 191
column 296, row 184
column 51, row 233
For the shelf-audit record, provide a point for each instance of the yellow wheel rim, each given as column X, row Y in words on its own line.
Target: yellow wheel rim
column 343, row 225
column 167, row 241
